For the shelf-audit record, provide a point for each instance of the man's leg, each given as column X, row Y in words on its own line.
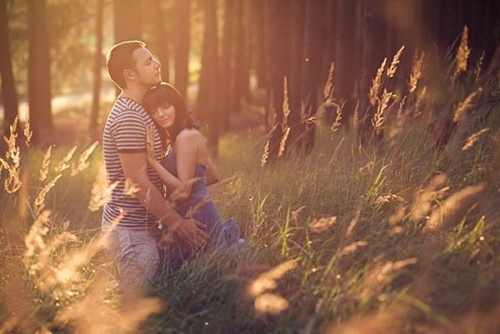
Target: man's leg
column 136, row 257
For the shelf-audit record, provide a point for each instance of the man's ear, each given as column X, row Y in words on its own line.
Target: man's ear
column 129, row 74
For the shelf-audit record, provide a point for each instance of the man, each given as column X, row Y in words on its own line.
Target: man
column 137, row 199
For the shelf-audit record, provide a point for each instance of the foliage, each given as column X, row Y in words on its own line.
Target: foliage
column 395, row 238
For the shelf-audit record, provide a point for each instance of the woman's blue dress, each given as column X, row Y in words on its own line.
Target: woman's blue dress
column 200, row 207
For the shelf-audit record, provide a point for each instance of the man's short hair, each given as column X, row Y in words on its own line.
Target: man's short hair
column 120, row 58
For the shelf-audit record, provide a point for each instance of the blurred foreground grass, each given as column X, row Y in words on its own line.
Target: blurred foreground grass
column 399, row 238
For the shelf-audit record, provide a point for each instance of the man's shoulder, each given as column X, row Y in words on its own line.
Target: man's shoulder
column 124, row 110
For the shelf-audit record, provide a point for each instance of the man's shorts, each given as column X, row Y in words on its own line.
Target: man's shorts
column 135, row 254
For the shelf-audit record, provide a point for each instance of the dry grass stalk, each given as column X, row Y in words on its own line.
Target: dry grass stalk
column 367, row 169
column 264, row 301
column 420, row 98
column 27, row 133
column 479, row 67
column 392, row 319
column 101, row 191
column 423, row 200
column 377, row 84
column 42, row 265
column 267, row 280
column 270, row 303
column 63, row 164
column 465, row 105
column 383, row 199
column 355, row 116
column 190, row 213
column 295, row 213
column 352, row 224
column 338, row 118
column 416, row 71
column 178, row 193
column 453, row 206
column 12, row 182
column 378, row 120
column 40, row 198
column 83, row 160
column 336, row 151
column 34, row 240
column 47, row 275
column 283, row 141
column 286, row 105
column 462, row 53
column 379, row 276
column 130, row 188
column 391, row 71
column 9, row 324
column 328, row 89
column 12, row 150
column 44, row 169
column 265, row 154
column 401, row 106
column 349, row 249
column 398, row 215
column 322, row 224
column 93, row 314
column 474, row 138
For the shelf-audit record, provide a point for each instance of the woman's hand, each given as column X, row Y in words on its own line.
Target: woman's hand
column 150, row 146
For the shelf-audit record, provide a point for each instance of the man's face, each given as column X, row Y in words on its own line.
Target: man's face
column 147, row 67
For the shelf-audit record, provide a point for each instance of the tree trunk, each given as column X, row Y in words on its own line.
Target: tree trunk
column 313, row 41
column 182, row 13
column 277, row 47
column 98, row 60
column 372, row 55
column 490, row 31
column 330, row 17
column 346, row 66
column 39, row 70
column 297, row 15
column 209, row 92
column 240, row 72
column 161, row 39
column 260, row 50
column 9, row 93
column 227, row 87
column 127, row 20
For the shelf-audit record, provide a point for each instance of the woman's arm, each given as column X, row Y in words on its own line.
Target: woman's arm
column 173, row 184
column 188, row 146
column 212, row 174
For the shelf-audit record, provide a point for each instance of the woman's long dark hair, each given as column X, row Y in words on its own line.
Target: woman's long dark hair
column 164, row 95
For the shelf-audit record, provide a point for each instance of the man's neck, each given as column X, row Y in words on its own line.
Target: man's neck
column 134, row 93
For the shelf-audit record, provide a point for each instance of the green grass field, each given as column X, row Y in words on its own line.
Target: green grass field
column 397, row 237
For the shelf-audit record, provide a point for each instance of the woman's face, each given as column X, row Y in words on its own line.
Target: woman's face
column 164, row 116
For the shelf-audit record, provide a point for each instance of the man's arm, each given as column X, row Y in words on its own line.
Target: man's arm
column 135, row 168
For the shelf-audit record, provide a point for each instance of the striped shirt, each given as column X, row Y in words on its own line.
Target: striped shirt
column 125, row 132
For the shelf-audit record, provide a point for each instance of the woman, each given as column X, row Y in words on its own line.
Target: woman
column 186, row 169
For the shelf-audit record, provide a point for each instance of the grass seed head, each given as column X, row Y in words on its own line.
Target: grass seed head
column 453, row 206
column 377, row 84
column 391, row 71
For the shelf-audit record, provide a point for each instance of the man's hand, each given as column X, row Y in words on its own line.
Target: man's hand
column 192, row 233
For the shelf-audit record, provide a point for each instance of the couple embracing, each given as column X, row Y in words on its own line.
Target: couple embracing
column 157, row 229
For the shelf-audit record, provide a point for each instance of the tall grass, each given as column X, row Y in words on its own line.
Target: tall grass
column 398, row 237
